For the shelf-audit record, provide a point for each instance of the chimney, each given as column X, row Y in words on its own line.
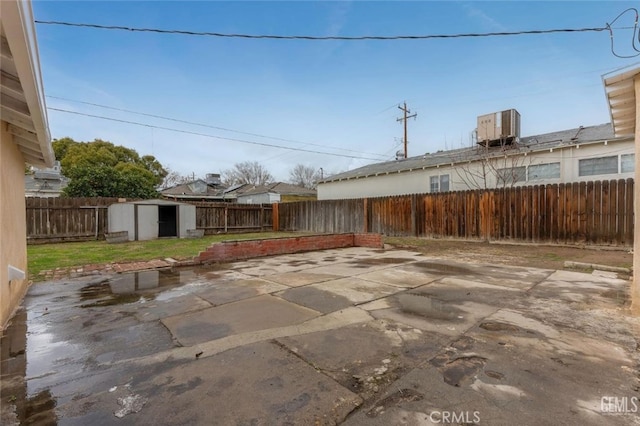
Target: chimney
column 213, row 179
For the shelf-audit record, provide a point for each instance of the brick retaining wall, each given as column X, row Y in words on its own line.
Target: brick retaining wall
column 239, row 250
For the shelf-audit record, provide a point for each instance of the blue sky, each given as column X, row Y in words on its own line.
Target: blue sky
column 331, row 96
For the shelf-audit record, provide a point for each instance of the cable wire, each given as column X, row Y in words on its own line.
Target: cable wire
column 210, row 136
column 315, row 38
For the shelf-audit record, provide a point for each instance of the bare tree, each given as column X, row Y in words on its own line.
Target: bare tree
column 174, row 178
column 484, row 167
column 304, row 176
column 250, row 172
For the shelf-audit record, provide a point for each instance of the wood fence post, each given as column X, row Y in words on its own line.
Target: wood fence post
column 414, row 216
column 366, row 216
column 275, row 217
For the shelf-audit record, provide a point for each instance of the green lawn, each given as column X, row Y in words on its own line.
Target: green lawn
column 44, row 257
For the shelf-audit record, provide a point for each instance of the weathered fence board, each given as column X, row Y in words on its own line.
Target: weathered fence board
column 581, row 212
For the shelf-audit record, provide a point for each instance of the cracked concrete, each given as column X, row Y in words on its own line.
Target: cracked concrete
column 350, row 336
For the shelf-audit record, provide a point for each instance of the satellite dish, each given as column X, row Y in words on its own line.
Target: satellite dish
column 399, row 155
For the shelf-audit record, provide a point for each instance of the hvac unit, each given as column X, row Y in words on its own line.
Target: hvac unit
column 499, row 128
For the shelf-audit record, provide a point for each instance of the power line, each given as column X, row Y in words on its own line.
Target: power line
column 307, row 37
column 210, row 136
column 207, row 125
column 635, row 44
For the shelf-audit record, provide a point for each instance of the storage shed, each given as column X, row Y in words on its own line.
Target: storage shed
column 150, row 219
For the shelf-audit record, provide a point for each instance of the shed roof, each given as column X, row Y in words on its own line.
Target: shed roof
column 155, row 202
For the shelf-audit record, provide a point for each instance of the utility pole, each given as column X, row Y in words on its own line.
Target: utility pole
column 404, row 119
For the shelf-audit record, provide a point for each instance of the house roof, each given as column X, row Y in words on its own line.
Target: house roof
column 534, row 143
column 258, row 189
column 195, row 189
column 38, row 186
column 22, row 103
column 283, row 188
column 621, row 96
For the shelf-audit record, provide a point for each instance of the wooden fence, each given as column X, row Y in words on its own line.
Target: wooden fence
column 585, row 212
column 66, row 219
column 216, row 218
column 81, row 219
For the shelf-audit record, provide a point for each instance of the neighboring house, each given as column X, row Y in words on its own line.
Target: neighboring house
column 24, row 138
column 258, row 195
column 48, row 182
column 581, row 154
column 289, row 192
column 278, row 192
column 209, row 189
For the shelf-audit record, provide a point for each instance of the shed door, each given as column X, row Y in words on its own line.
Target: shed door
column 167, row 221
column 146, row 222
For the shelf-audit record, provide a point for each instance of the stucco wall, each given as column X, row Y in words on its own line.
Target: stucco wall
column 13, row 228
column 418, row 181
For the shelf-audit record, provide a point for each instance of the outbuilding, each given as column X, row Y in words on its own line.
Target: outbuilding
column 151, row 219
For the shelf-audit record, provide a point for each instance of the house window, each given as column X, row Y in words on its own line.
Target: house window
column 511, row 175
column 598, row 166
column 627, row 163
column 439, row 183
column 543, row 171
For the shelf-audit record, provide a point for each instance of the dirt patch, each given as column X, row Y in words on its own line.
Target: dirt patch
column 530, row 255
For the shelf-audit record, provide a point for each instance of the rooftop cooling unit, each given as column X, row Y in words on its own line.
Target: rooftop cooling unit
column 499, row 128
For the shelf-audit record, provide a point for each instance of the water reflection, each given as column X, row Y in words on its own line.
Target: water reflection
column 138, row 286
column 16, row 406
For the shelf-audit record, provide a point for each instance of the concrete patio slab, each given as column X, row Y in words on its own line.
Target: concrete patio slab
column 296, row 279
column 352, row 336
column 232, row 291
column 357, row 290
column 278, row 388
column 316, row 299
column 399, row 277
column 257, row 313
column 366, row 357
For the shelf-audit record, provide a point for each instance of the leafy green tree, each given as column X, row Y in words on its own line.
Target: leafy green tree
column 102, row 169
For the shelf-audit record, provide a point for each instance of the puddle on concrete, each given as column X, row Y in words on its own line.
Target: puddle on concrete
column 427, row 307
column 144, row 286
column 17, row 406
column 443, row 268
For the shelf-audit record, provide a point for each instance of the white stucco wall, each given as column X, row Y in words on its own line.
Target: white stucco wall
column 13, row 227
column 418, row 181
